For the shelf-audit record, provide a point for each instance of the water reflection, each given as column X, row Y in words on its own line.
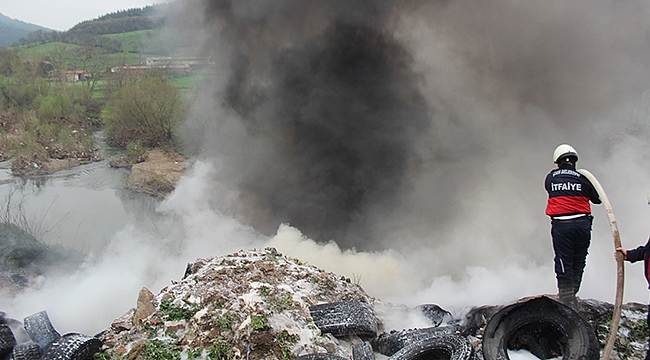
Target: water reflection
column 81, row 207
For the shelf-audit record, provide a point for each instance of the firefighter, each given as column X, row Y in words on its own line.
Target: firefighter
column 641, row 253
column 569, row 194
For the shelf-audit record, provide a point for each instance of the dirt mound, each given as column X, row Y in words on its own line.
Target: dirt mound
column 251, row 304
column 158, row 174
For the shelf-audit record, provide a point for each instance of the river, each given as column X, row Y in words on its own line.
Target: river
column 81, row 207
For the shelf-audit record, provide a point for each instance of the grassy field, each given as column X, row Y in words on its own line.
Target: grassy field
column 136, row 47
column 143, row 41
column 37, row 51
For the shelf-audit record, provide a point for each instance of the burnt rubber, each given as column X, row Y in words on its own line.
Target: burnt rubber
column 73, row 346
column 434, row 313
column 477, row 318
column 26, row 351
column 544, row 327
column 40, row 330
column 390, row 343
column 7, row 340
column 319, row 356
column 345, row 319
column 445, row 346
column 363, row 351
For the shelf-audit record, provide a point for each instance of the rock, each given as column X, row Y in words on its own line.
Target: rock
column 136, row 350
column 146, row 305
column 124, row 322
column 172, row 327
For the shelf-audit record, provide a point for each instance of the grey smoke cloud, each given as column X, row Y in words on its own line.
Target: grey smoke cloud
column 421, row 126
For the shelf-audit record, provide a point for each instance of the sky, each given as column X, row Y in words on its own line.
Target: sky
column 63, row 14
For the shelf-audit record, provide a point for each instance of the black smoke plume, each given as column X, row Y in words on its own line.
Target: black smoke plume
column 327, row 114
column 375, row 123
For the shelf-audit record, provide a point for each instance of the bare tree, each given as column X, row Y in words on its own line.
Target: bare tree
column 60, row 57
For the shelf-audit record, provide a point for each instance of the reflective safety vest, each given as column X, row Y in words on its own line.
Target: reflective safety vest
column 569, row 192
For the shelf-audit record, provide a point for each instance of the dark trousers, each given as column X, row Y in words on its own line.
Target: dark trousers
column 571, row 241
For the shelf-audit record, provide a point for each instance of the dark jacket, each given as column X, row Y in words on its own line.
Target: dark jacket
column 569, row 192
column 642, row 252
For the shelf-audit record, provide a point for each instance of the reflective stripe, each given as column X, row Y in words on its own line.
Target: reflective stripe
column 568, row 217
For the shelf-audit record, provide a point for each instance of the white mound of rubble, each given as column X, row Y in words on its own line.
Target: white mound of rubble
column 252, row 304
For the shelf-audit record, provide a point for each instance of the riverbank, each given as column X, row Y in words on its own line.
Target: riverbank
column 157, row 175
column 24, row 167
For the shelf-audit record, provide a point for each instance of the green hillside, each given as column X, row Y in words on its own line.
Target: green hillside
column 140, row 42
column 124, row 37
column 12, row 30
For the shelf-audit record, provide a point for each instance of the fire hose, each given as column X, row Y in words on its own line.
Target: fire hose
column 616, row 315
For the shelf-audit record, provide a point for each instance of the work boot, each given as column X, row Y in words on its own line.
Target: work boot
column 565, row 292
column 577, row 280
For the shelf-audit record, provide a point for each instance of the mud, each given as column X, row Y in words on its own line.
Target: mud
column 158, row 174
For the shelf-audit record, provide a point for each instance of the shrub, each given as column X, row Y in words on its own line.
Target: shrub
column 136, row 152
column 57, row 106
column 260, row 323
column 148, row 111
column 160, row 350
column 285, row 341
column 221, row 349
column 173, row 312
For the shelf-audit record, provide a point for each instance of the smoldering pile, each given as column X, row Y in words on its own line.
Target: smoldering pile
column 263, row 305
column 252, row 304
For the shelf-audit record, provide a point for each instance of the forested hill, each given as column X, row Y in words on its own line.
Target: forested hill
column 12, row 30
column 90, row 32
column 118, row 22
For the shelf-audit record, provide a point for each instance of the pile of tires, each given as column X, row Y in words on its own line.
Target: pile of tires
column 544, row 327
column 36, row 339
column 358, row 320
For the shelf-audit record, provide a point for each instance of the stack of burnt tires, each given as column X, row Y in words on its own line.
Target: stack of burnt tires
column 36, row 339
column 346, row 319
column 542, row 326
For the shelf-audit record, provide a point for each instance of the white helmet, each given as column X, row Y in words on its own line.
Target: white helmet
column 564, row 151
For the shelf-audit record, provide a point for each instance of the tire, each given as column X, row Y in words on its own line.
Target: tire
column 26, row 351
column 319, row 356
column 40, row 330
column 7, row 340
column 542, row 326
column 390, row 343
column 477, row 318
column 17, row 328
column 363, row 351
column 446, row 346
column 73, row 346
column 343, row 319
column 434, row 313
